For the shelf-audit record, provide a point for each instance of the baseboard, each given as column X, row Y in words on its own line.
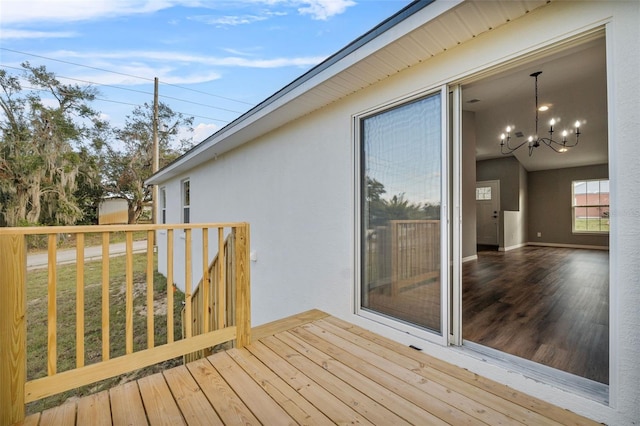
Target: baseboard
column 470, row 258
column 517, row 246
column 577, row 246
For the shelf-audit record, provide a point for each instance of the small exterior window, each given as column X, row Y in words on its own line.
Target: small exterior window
column 163, row 205
column 590, row 206
column 186, row 201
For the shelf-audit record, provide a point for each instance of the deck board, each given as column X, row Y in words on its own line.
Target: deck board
column 63, row 415
column 318, row 370
column 92, row 409
column 260, row 403
column 194, row 405
column 126, row 405
column 297, row 406
column 454, row 402
column 159, row 404
column 229, row 406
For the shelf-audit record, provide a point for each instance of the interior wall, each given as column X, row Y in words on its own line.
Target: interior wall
column 468, row 184
column 550, row 205
column 507, row 171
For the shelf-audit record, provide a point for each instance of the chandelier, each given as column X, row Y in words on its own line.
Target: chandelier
column 535, row 141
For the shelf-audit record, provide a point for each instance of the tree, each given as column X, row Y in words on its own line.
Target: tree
column 380, row 210
column 128, row 168
column 39, row 165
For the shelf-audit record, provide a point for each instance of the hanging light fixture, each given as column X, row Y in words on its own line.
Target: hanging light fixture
column 535, row 141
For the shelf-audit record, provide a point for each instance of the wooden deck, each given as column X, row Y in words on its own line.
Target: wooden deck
column 311, row 369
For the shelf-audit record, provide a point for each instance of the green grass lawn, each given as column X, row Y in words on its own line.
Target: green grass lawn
column 66, row 321
column 592, row 225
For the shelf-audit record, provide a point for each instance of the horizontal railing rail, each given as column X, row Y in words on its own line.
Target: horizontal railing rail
column 16, row 389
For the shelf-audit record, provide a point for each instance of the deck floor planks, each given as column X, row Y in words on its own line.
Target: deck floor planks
column 501, row 405
column 61, row 415
column 437, row 411
column 126, row 405
column 228, row 405
column 299, row 408
column 284, row 324
column 95, row 410
column 193, row 404
column 158, row 401
column 542, row 410
column 408, row 371
column 315, row 370
column 334, row 408
column 380, row 393
column 260, row 403
column 345, row 391
column 449, row 406
column 30, row 420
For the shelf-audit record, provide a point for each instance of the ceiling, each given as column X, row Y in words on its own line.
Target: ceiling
column 573, row 83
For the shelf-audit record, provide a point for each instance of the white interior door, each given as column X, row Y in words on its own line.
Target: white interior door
column 487, row 212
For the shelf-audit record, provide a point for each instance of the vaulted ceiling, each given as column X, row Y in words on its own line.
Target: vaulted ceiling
column 573, row 83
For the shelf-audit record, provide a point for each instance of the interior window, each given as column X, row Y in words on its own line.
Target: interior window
column 483, row 193
column 590, row 206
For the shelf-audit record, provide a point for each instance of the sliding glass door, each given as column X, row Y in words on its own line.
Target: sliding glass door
column 401, row 169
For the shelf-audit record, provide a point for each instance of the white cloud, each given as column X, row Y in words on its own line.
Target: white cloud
column 229, row 20
column 182, row 59
column 203, row 131
column 164, row 74
column 28, row 11
column 6, row 34
column 324, row 9
column 31, row 11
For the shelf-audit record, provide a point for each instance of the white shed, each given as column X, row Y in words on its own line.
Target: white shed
column 113, row 211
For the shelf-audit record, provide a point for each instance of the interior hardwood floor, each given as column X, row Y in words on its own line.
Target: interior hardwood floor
column 547, row 305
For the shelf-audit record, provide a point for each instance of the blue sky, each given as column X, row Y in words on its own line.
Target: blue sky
column 225, row 56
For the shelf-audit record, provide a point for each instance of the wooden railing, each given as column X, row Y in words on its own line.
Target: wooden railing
column 16, row 389
column 403, row 253
column 212, row 306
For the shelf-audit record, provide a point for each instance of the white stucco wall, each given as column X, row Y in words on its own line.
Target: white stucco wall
column 295, row 186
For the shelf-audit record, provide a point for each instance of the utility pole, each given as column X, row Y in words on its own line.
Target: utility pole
column 156, row 154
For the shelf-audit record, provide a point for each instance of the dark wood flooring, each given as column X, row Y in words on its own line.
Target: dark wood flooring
column 547, row 305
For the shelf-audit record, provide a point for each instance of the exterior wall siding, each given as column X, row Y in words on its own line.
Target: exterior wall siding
column 296, row 187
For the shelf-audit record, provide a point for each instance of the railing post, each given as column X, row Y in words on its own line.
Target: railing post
column 13, row 328
column 243, row 290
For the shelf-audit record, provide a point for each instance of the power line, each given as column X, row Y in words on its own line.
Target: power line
column 123, row 74
column 133, row 90
column 136, row 105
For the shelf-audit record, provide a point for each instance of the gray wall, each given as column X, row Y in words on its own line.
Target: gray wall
column 507, row 171
column 468, row 184
column 513, row 196
column 550, row 205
